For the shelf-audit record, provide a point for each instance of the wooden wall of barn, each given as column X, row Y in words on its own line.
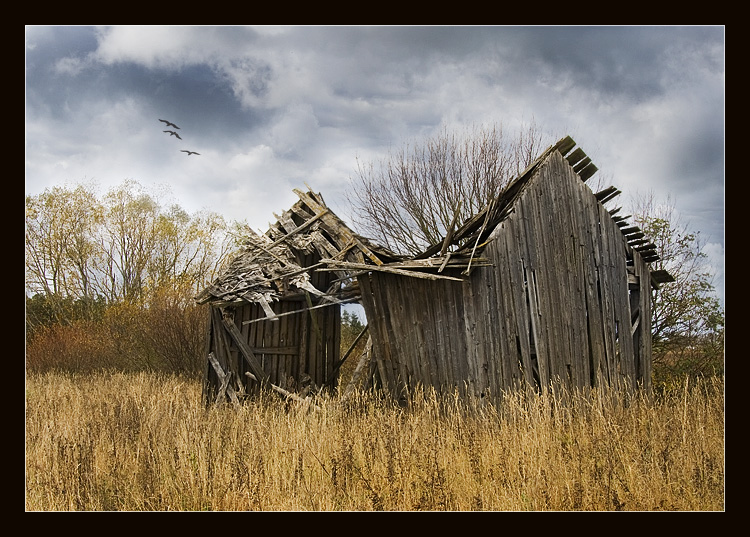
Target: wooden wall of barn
column 290, row 349
column 567, row 301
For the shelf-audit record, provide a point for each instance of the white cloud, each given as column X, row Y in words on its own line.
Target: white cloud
column 152, row 46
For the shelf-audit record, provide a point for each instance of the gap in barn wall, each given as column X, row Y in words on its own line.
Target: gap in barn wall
column 355, row 309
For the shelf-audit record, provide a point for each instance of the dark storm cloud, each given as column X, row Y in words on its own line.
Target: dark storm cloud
column 47, row 87
column 633, row 62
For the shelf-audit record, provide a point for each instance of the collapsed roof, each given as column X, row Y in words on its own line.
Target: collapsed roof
column 269, row 267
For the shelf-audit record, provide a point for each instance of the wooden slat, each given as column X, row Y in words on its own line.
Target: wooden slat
column 387, row 268
column 246, row 351
column 565, row 145
column 586, row 173
column 576, row 156
column 336, row 227
column 225, row 386
column 582, row 164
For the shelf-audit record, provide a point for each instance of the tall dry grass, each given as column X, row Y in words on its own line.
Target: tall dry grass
column 144, row 442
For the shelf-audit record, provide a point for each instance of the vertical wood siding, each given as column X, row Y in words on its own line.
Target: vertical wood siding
column 558, row 306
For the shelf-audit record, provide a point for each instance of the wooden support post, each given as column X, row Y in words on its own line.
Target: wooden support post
column 246, row 351
column 225, row 388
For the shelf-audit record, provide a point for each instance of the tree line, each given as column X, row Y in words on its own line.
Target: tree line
column 84, row 252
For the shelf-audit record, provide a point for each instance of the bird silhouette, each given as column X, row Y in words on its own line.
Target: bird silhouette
column 173, row 133
column 169, row 124
column 189, row 152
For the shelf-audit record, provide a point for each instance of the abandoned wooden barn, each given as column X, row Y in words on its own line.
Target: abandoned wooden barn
column 543, row 286
column 275, row 314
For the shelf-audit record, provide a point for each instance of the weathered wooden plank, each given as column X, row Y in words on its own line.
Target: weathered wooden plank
column 564, row 145
column 424, row 366
column 407, row 359
column 334, row 346
column 386, row 268
column 540, row 288
column 582, row 258
column 583, row 261
column 225, row 387
column 630, row 230
column 304, row 344
column 606, row 194
column 487, row 328
column 323, row 245
column 577, row 167
column 592, row 304
column 255, row 366
column 586, row 172
column 645, row 342
column 335, row 226
column 530, row 260
column 518, row 295
column 568, row 185
column 576, row 156
column 459, row 344
column 563, row 283
column 475, row 381
column 285, row 393
column 512, row 371
column 386, row 361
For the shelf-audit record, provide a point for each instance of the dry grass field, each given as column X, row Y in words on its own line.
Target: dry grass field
column 143, row 442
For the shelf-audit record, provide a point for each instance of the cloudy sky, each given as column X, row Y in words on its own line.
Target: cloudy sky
column 274, row 108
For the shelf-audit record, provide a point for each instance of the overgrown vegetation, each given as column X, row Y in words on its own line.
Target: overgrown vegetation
column 112, row 442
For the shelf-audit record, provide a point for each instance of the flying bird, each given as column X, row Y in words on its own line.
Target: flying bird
column 189, row 152
column 173, row 133
column 169, row 124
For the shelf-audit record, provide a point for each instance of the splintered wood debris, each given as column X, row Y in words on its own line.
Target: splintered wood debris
column 282, row 262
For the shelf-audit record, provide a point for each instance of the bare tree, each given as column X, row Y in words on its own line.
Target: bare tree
column 410, row 200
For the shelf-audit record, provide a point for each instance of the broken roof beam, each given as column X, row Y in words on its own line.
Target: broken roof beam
column 286, row 221
column 630, row 230
column 661, row 276
column 336, row 265
column 299, row 228
column 607, row 194
column 587, row 171
column 576, row 157
column 565, row 145
column 336, row 228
